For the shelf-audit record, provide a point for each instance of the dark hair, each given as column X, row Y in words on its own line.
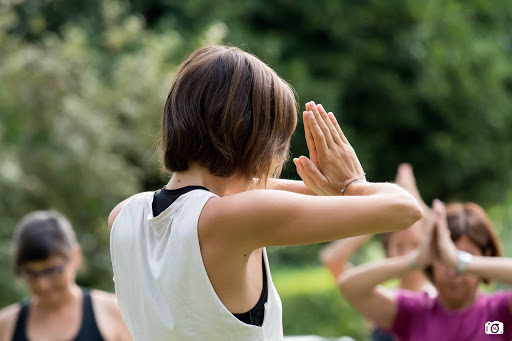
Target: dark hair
column 40, row 235
column 230, row 113
column 470, row 220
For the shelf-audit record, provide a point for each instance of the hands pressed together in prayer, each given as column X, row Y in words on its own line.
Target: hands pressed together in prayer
column 437, row 243
column 332, row 163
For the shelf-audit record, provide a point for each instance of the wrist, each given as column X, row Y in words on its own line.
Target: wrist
column 357, row 188
column 351, row 181
column 412, row 261
column 463, row 259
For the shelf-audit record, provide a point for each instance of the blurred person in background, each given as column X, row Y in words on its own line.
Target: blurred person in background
column 335, row 256
column 47, row 257
column 459, row 251
column 193, row 253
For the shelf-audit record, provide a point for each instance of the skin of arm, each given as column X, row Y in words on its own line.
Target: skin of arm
column 278, row 218
column 335, row 256
column 360, row 287
column 496, row 268
column 294, row 186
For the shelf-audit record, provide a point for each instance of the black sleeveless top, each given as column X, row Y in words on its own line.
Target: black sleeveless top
column 88, row 330
column 162, row 199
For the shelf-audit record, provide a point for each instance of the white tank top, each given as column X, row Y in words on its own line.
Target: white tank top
column 162, row 287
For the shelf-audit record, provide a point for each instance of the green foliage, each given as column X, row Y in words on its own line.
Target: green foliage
column 313, row 306
column 427, row 82
column 79, row 127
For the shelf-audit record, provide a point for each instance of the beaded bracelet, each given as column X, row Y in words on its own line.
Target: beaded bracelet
column 356, row 180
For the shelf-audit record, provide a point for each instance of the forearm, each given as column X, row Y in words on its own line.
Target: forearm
column 494, row 268
column 336, row 255
column 295, row 186
column 376, row 188
column 363, row 279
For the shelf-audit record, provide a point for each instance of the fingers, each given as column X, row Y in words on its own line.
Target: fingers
column 337, row 126
column 317, row 133
column 309, row 138
column 330, row 124
column 311, row 106
column 443, row 233
column 306, row 177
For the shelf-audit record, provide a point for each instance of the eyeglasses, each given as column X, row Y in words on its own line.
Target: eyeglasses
column 50, row 272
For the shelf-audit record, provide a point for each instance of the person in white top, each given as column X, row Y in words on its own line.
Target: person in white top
column 192, row 270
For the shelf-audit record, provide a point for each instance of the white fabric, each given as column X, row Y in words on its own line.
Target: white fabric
column 163, row 289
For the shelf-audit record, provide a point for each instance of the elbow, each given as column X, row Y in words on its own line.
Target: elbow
column 411, row 212
column 344, row 284
column 324, row 258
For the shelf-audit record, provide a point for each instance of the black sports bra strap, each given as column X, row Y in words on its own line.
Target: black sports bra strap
column 21, row 323
column 89, row 329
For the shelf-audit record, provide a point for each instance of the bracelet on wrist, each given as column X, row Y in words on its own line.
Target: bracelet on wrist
column 463, row 258
column 362, row 178
column 413, row 264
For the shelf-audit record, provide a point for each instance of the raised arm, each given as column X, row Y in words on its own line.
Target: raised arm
column 361, row 285
column 361, row 288
column 335, row 256
column 295, row 186
column 405, row 179
column 494, row 268
column 267, row 217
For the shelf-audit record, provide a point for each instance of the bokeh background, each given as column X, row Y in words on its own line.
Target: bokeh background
column 83, row 83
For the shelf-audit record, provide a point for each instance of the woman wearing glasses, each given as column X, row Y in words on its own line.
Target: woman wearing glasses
column 47, row 257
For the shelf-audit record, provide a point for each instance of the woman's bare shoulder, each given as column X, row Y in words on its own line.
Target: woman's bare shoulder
column 109, row 318
column 8, row 317
column 103, row 299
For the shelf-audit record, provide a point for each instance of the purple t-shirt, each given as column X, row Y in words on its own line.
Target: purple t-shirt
column 422, row 318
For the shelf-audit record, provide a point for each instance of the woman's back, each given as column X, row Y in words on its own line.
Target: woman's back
column 159, row 272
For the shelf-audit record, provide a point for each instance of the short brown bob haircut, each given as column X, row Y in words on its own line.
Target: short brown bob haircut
column 40, row 235
column 228, row 112
column 470, row 220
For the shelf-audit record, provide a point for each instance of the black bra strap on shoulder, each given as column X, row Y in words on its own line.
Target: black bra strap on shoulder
column 21, row 323
column 89, row 330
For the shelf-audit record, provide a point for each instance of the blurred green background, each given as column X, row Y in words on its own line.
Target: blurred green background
column 83, row 83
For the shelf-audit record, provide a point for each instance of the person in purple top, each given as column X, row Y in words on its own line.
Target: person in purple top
column 459, row 251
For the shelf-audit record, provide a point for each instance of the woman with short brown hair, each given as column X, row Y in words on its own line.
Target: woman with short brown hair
column 189, row 260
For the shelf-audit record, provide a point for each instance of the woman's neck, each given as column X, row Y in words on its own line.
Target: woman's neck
column 416, row 281
column 200, row 176
column 70, row 294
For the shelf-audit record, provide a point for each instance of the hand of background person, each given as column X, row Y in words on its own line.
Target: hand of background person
column 334, row 163
column 445, row 248
column 405, row 179
column 426, row 251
